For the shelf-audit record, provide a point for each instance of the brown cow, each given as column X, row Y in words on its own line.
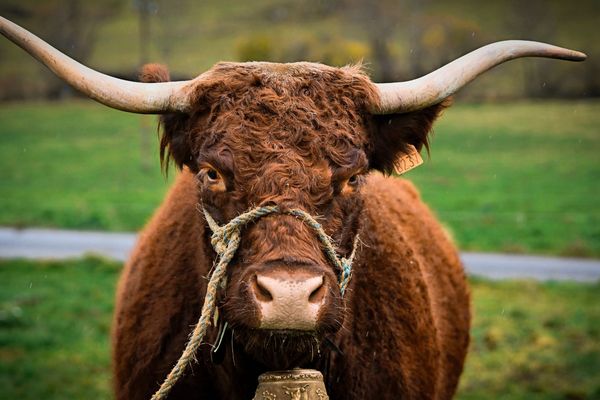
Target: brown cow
column 299, row 136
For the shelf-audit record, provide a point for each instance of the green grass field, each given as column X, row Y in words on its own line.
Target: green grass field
column 521, row 177
column 77, row 165
column 530, row 340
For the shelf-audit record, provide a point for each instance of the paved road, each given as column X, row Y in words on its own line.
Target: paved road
column 58, row 244
column 61, row 244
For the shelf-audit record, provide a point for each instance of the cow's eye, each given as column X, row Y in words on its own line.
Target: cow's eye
column 213, row 179
column 351, row 184
column 212, row 175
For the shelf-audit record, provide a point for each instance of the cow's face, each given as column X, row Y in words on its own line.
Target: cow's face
column 297, row 136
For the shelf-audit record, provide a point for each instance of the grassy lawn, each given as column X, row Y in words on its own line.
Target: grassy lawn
column 77, row 165
column 533, row 341
column 54, row 329
column 530, row 340
column 518, row 177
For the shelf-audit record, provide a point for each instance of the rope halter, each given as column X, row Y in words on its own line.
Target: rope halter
column 225, row 240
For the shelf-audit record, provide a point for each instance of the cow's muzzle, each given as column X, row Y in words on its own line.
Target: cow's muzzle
column 290, row 297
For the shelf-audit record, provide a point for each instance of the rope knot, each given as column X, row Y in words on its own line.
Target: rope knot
column 222, row 238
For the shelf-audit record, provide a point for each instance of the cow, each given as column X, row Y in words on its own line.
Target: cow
column 312, row 148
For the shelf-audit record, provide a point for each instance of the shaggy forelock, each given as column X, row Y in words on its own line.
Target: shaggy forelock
column 292, row 123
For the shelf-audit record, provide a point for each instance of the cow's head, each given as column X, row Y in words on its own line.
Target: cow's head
column 298, row 136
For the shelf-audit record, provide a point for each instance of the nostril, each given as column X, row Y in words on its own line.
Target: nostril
column 318, row 292
column 261, row 292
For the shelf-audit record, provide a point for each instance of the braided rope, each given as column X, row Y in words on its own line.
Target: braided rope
column 225, row 240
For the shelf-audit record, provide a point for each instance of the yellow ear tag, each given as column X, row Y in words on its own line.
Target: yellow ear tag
column 406, row 162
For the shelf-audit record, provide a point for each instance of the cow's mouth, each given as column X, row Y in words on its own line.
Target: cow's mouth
column 281, row 349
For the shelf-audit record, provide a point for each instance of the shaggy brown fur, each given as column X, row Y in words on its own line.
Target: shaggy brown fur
column 299, row 136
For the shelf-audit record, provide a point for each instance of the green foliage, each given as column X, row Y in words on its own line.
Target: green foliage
column 255, row 48
column 190, row 36
column 529, row 340
column 520, row 177
column 70, row 26
column 330, row 50
column 334, row 51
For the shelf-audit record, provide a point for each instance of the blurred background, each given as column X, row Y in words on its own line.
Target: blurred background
column 397, row 39
column 514, row 167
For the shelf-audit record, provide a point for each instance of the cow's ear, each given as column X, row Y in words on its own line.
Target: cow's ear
column 395, row 138
column 174, row 142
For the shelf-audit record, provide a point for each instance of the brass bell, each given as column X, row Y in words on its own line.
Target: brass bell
column 295, row 384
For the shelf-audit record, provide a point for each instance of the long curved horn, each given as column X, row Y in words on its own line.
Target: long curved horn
column 143, row 98
column 400, row 97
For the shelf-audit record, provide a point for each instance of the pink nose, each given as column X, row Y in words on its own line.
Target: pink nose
column 289, row 301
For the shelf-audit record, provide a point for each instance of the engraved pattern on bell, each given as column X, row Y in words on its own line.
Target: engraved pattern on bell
column 295, row 384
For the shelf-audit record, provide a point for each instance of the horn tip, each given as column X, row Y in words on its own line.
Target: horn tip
column 570, row 55
column 578, row 56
